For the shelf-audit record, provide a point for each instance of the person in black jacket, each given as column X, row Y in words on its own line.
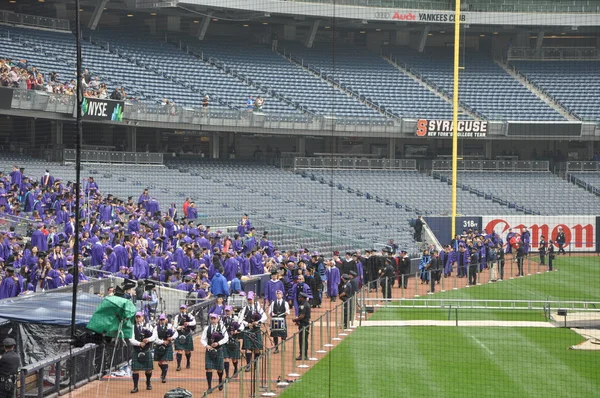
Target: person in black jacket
column 419, row 228
column 348, row 264
column 435, row 267
column 473, row 263
column 9, row 366
column 403, row 269
column 560, row 241
column 520, row 257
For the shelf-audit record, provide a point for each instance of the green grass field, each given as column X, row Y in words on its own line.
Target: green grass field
column 468, row 361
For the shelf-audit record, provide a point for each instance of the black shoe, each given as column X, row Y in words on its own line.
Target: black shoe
column 276, row 351
column 299, row 358
column 148, row 386
column 134, row 390
column 163, row 379
column 247, row 368
column 306, row 358
column 187, row 366
column 178, row 368
column 221, row 387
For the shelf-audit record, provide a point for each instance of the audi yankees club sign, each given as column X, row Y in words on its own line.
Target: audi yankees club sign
column 580, row 231
column 445, row 128
column 410, row 16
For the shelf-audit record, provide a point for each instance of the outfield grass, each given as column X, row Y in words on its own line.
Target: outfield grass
column 578, row 278
column 464, row 314
column 453, row 362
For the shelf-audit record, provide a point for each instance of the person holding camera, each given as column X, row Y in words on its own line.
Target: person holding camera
column 186, row 324
column 143, row 337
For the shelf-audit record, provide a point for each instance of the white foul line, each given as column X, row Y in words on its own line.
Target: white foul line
column 482, row 345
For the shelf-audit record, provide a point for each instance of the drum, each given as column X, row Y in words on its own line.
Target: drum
column 277, row 324
column 236, row 301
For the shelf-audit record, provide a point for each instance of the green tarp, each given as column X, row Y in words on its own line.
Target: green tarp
column 109, row 314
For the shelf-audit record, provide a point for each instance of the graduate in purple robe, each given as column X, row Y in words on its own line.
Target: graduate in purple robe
column 9, row 287
column 98, row 252
column 230, row 267
column 333, row 280
column 272, row 286
column 111, row 261
column 122, row 255
column 219, row 307
column 299, row 287
column 38, row 239
column 266, row 245
column 256, row 264
column 509, row 236
column 141, row 270
column 526, row 240
column 187, row 285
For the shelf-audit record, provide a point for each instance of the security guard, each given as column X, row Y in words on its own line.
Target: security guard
column 9, row 366
column 303, row 322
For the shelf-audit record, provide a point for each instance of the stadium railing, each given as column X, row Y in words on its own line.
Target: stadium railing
column 492, row 165
column 553, row 54
column 93, row 156
column 353, row 163
column 12, row 18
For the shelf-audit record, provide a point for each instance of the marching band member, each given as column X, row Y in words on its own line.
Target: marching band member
column 279, row 308
column 214, row 337
column 252, row 316
column 232, row 348
column 143, row 337
column 185, row 325
column 163, row 349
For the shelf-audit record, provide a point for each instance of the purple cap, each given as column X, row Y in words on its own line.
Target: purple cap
column 315, row 253
column 251, row 295
column 139, row 314
column 214, row 316
column 162, row 316
column 228, row 308
column 278, row 291
column 183, row 306
column 242, row 294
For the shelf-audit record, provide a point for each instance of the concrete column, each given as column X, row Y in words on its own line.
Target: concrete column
column 423, row 39
column 301, row 145
column 158, row 142
column 289, row 32
column 59, row 133
column 32, row 132
column 131, row 139
column 61, row 10
column 488, row 150
column 215, row 142
column 204, row 27
column 539, row 41
column 312, row 33
column 391, row 148
column 173, row 23
column 97, row 14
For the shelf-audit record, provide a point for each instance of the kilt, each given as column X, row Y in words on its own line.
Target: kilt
column 167, row 356
column 232, row 350
column 146, row 365
column 253, row 339
column 214, row 361
column 187, row 346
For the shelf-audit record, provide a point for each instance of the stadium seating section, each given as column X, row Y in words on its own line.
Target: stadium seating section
column 578, row 90
column 485, row 87
column 228, row 71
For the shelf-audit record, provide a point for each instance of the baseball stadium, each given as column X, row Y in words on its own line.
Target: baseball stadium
column 299, row 198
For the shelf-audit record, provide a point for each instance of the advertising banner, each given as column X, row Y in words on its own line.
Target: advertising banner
column 580, row 231
column 102, row 109
column 445, row 128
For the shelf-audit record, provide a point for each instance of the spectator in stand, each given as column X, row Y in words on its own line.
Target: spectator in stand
column 258, row 104
column 205, row 101
column 250, row 104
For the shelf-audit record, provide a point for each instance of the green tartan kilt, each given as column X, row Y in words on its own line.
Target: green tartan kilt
column 214, row 361
column 187, row 346
column 232, row 349
column 253, row 339
column 148, row 364
column 167, row 356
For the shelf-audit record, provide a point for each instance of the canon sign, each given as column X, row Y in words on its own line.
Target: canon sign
column 580, row 231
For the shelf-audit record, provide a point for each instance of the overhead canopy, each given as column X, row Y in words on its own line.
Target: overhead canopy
column 50, row 308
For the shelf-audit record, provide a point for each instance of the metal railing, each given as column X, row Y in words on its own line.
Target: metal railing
column 492, row 165
column 572, row 166
column 12, row 18
column 553, row 54
column 354, row 163
column 148, row 158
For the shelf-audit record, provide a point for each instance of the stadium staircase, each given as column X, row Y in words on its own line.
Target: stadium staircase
column 464, row 110
column 534, row 88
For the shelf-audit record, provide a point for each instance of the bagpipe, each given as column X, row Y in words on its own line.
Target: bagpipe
column 215, row 337
column 142, row 352
column 162, row 348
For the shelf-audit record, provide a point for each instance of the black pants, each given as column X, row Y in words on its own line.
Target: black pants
column 473, row 275
column 501, row 269
column 345, row 312
column 561, row 248
column 550, row 260
column 542, row 258
column 435, row 276
column 519, row 266
column 303, row 340
column 386, row 288
column 7, row 393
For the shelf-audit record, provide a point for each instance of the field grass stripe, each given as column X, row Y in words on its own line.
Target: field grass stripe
column 482, row 345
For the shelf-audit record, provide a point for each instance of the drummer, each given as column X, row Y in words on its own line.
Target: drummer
column 278, row 310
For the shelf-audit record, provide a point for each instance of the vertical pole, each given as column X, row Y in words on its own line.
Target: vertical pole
column 312, row 340
column 455, row 114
